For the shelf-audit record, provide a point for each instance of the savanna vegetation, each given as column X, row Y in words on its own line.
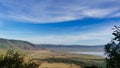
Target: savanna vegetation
column 82, row 64
column 13, row 59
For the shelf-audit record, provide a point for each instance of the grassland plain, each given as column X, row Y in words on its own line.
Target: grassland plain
column 51, row 58
column 57, row 59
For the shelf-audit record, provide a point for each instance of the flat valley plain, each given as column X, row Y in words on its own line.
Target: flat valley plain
column 62, row 59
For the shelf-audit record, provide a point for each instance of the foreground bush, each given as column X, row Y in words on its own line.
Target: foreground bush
column 91, row 66
column 13, row 59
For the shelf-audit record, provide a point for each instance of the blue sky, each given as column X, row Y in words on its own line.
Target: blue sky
column 59, row 21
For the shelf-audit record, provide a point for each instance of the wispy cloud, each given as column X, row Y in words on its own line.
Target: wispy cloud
column 100, row 13
column 85, row 38
column 97, row 17
column 47, row 11
column 93, row 34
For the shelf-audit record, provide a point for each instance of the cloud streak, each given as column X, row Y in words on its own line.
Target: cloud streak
column 85, row 38
column 51, row 11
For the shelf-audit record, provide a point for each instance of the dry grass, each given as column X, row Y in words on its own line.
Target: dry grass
column 52, row 54
column 44, row 54
column 40, row 55
column 58, row 65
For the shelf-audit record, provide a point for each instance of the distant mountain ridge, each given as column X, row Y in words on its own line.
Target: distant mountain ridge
column 96, row 48
column 25, row 45
column 16, row 44
column 53, row 45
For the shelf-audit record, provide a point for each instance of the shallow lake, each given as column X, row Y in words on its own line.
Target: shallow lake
column 90, row 53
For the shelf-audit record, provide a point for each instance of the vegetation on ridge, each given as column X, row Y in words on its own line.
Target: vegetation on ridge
column 16, row 45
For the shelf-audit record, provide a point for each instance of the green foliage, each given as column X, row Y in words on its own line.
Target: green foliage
column 112, row 50
column 91, row 66
column 13, row 59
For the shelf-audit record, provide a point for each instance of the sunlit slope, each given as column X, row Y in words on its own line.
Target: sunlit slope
column 16, row 44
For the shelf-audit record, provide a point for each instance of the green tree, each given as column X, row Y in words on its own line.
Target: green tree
column 13, row 59
column 112, row 50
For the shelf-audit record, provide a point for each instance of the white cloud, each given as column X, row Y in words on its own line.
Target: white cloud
column 117, row 15
column 101, row 35
column 47, row 11
column 85, row 38
column 98, row 12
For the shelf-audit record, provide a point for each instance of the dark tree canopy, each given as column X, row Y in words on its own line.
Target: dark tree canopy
column 112, row 50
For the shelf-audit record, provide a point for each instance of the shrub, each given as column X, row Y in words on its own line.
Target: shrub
column 13, row 59
column 90, row 66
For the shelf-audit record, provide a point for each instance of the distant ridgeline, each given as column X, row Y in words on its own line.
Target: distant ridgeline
column 16, row 44
column 96, row 48
column 70, row 46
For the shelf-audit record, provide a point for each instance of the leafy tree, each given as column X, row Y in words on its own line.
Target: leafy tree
column 112, row 50
column 13, row 59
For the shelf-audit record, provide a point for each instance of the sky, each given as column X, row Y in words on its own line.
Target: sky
column 69, row 22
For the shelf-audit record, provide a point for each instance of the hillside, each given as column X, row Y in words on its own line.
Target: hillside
column 16, row 44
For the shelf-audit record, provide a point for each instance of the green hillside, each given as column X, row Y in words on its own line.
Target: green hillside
column 16, row 44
